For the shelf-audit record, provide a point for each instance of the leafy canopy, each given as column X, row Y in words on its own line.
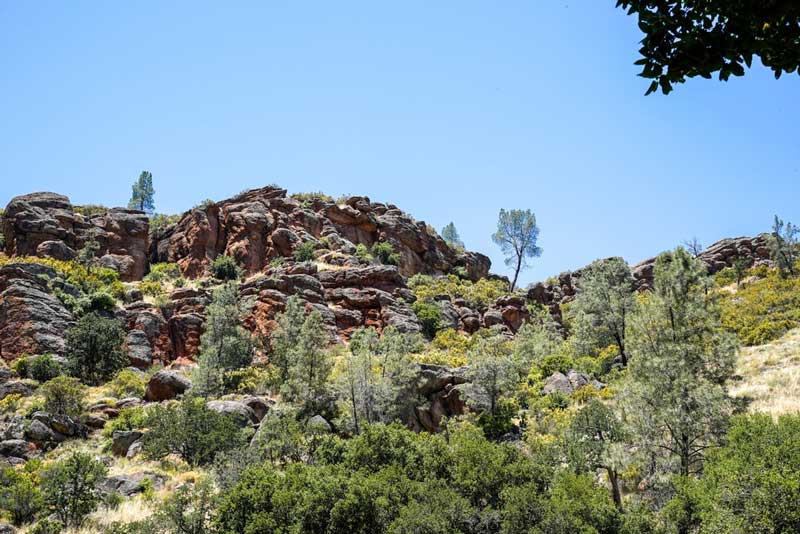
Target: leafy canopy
column 689, row 38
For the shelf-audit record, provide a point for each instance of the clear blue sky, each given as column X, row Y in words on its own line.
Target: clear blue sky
column 450, row 109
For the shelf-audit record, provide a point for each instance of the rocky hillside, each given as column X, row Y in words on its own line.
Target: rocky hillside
column 262, row 229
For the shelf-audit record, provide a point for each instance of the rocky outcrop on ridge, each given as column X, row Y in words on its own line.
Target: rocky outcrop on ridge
column 260, row 225
column 724, row 253
column 46, row 225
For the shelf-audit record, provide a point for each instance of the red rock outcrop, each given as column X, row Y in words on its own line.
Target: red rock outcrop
column 260, row 225
column 45, row 224
column 32, row 320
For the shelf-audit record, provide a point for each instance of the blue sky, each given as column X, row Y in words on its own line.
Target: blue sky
column 450, row 109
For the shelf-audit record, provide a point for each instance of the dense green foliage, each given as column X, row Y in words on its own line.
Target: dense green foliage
column 20, row 492
column 304, row 251
column 384, row 252
column 63, row 395
column 189, row 429
column 479, row 294
column 224, row 267
column 784, row 246
column 95, row 348
column 429, row 315
column 70, row 487
column 689, row 38
column 763, row 309
column 225, row 345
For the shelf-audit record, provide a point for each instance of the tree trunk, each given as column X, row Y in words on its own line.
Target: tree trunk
column 613, row 478
column 516, row 272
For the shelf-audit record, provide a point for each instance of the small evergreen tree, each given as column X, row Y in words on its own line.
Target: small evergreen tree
column 94, row 348
column 602, row 306
column 70, row 487
column 309, row 365
column 285, row 337
column 143, row 193
column 224, row 267
column 451, row 237
column 225, row 345
column 492, row 373
column 783, row 246
column 516, row 236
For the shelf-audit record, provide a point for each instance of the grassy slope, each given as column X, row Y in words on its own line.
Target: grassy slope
column 770, row 375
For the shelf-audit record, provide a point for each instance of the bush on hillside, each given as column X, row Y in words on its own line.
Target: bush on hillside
column 764, row 309
column 429, row 315
column 480, row 294
column 224, row 267
column 71, row 487
column 95, row 348
column 304, row 251
column 63, row 395
column 385, row 253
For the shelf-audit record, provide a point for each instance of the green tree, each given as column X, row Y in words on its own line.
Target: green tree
column 451, row 237
column 70, row 487
column 309, row 365
column 783, row 246
column 516, row 236
column 675, row 399
column 44, row 367
column 602, row 306
column 189, row 429
column 537, row 339
column 87, row 255
column 64, row 395
column 491, row 374
column 142, row 193
column 595, row 440
column 225, row 345
column 689, row 38
column 285, row 336
column 95, row 348
column 377, row 377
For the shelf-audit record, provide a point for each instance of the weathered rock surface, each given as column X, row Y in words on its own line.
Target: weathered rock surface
column 122, row 440
column 129, row 485
column 45, row 224
column 263, row 224
column 32, row 320
column 569, row 383
column 440, row 386
column 166, row 384
column 239, row 412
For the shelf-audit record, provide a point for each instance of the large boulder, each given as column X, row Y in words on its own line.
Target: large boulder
column 122, row 440
column 166, row 384
column 239, row 412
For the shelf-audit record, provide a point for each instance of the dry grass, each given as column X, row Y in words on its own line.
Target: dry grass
column 771, row 375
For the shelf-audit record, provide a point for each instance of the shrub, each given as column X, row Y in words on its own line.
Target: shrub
column 88, row 210
column 94, row 348
column 70, row 487
column 127, row 383
column 159, row 222
column 189, row 429
column 499, row 424
column 153, row 288
column 306, row 199
column 362, row 253
column 44, row 368
column 224, row 267
column 20, row 495
column 133, row 418
column 429, row 315
column 163, row 271
column 63, row 395
column 88, row 281
column 102, row 301
column 385, row 253
column 304, row 251
column 763, row 310
column 480, row 294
